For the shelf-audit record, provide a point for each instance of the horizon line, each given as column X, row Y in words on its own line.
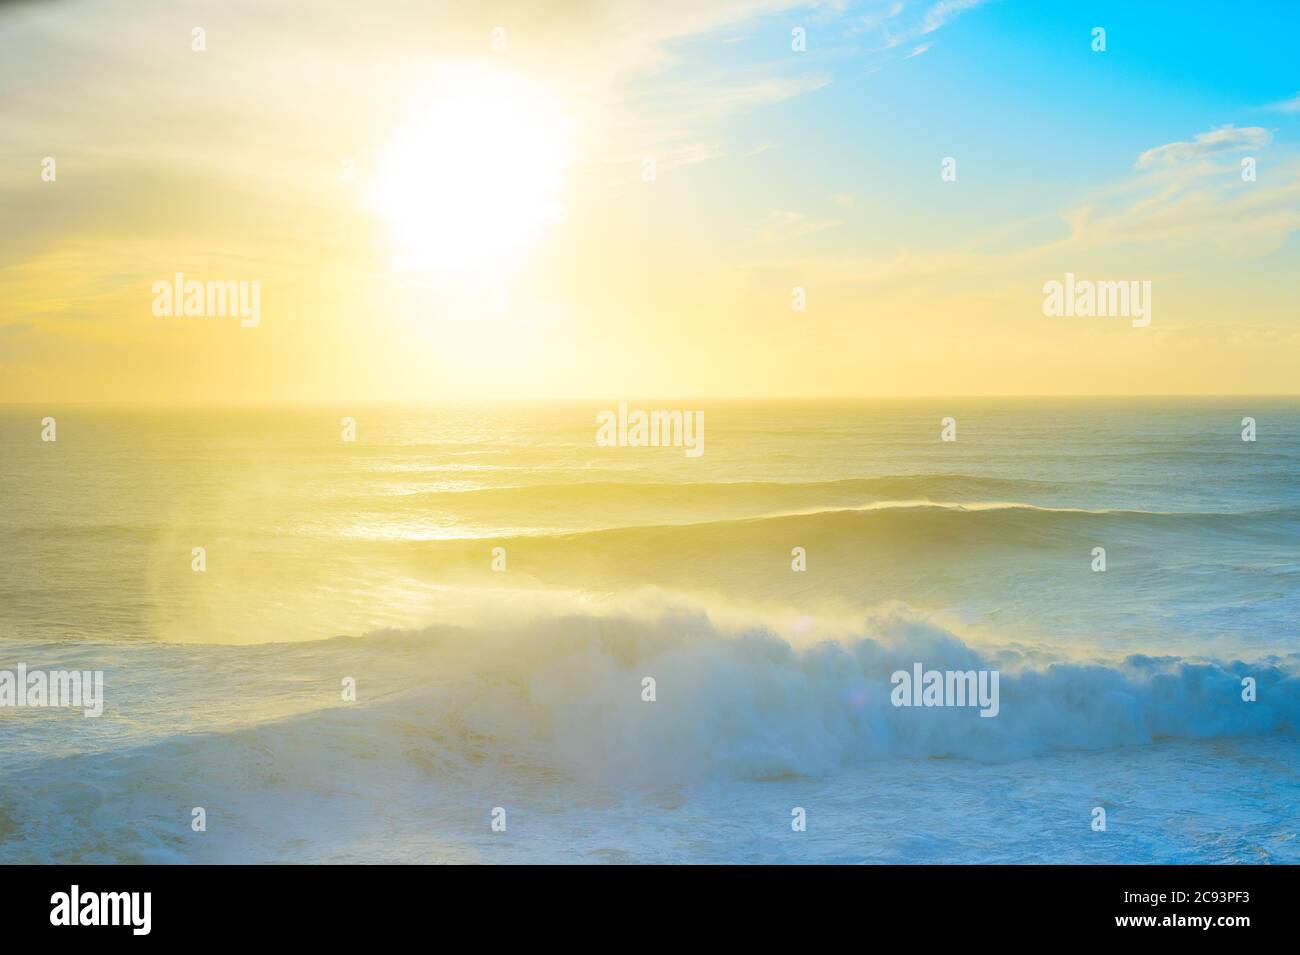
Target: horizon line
column 337, row 402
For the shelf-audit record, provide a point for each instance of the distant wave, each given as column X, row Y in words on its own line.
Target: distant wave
column 874, row 488
column 962, row 504
column 905, row 524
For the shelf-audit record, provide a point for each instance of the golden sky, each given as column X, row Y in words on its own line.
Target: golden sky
column 447, row 201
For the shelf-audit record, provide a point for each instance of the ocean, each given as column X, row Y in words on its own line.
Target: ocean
column 497, row 587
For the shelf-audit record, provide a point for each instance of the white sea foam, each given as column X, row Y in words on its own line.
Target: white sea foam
column 563, row 692
column 546, row 710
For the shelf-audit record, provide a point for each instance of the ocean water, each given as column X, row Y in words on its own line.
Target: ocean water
column 521, row 687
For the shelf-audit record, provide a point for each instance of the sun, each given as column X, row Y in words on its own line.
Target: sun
column 475, row 176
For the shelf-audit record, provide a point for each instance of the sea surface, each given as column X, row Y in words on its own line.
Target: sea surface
column 499, row 586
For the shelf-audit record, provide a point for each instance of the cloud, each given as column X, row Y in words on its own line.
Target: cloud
column 897, row 25
column 783, row 225
column 946, row 10
column 1220, row 140
column 872, row 21
column 763, row 92
column 1190, row 194
column 1291, row 105
column 1157, row 215
column 1207, row 206
column 680, row 118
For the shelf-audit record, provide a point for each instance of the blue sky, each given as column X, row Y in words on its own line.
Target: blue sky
column 1013, row 90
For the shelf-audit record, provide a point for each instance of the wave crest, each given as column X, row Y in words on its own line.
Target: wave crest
column 565, row 693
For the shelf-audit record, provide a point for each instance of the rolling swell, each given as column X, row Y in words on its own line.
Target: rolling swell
column 873, row 488
column 911, row 525
column 1014, row 567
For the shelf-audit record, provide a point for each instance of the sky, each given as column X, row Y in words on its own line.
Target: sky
column 507, row 200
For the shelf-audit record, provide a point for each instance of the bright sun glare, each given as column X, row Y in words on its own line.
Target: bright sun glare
column 475, row 176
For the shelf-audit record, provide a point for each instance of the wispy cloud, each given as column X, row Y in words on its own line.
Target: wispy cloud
column 1220, row 140
column 763, row 92
column 872, row 21
column 946, row 10
column 783, row 225
column 1291, row 105
column 897, row 26
column 677, row 121
column 1162, row 210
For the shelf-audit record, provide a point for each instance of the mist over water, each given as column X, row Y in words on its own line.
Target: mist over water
column 521, row 688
